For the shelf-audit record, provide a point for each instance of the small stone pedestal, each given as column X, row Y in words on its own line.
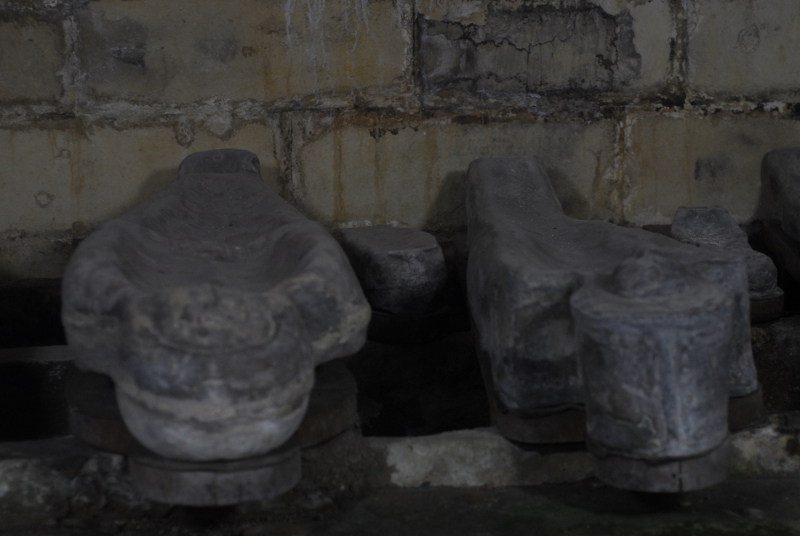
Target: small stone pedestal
column 403, row 274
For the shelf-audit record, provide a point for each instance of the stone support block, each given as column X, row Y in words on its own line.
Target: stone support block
column 492, row 48
column 472, row 458
column 401, row 270
column 31, row 53
column 244, row 49
column 782, row 177
column 674, row 160
column 356, row 171
column 749, row 49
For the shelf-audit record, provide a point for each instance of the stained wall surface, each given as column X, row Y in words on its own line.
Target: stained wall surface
column 369, row 111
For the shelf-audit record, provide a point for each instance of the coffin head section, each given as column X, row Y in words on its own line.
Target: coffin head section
column 210, row 305
column 654, row 342
column 714, row 227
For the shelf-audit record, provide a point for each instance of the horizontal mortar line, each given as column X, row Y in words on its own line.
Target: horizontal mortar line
column 544, row 106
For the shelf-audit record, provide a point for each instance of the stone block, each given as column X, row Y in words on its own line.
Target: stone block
column 413, row 172
column 401, row 270
column 747, row 49
column 31, row 53
column 495, row 47
column 690, row 160
column 245, row 49
column 53, row 180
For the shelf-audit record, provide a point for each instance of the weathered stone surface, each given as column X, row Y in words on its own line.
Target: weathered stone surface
column 32, row 53
column 243, row 49
column 767, row 450
column 683, row 159
column 472, row 458
column 744, row 48
column 401, row 270
column 527, row 259
column 714, row 227
column 782, row 172
column 413, row 172
column 505, row 49
column 653, row 343
column 209, row 306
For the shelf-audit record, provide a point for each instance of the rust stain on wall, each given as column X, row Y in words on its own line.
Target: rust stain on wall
column 340, row 207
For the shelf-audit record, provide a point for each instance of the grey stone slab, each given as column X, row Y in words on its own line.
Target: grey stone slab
column 527, row 259
column 714, row 227
column 402, row 270
column 209, row 305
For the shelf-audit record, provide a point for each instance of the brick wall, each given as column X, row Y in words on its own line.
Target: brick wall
column 371, row 110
